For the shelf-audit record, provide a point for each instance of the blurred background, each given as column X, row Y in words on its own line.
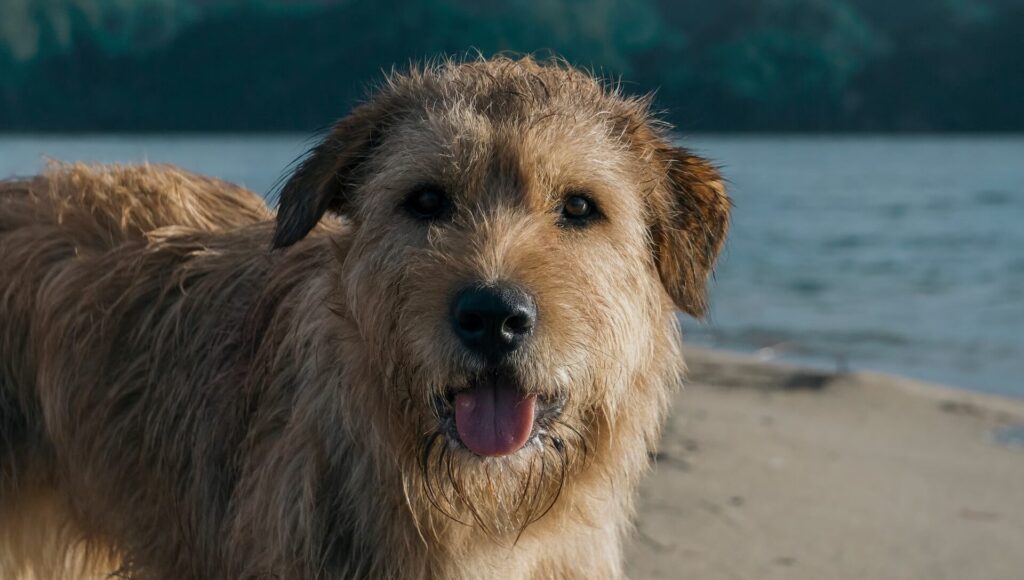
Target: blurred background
column 872, row 146
column 730, row 65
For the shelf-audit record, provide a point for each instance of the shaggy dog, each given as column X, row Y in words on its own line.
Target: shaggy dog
column 447, row 357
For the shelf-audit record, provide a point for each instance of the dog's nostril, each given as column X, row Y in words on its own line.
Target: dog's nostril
column 519, row 324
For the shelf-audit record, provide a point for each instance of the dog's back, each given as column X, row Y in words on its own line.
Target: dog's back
column 49, row 225
column 86, row 209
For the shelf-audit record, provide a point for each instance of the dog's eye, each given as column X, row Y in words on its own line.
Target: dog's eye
column 578, row 210
column 426, row 203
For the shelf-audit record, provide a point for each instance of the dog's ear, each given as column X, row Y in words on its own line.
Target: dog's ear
column 325, row 178
column 690, row 223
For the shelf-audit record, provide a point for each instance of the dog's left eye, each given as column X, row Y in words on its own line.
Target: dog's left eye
column 578, row 209
column 426, row 203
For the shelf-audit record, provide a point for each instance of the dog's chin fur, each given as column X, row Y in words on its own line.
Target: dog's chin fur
column 177, row 400
column 501, row 495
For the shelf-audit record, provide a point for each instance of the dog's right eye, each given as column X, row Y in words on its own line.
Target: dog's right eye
column 426, row 203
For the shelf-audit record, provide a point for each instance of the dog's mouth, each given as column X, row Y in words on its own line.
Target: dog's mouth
column 493, row 416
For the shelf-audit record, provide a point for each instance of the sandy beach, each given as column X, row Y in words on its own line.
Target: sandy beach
column 771, row 471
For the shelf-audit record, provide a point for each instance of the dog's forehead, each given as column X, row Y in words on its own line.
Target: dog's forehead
column 473, row 151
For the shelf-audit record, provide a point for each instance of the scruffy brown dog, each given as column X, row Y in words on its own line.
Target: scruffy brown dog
column 460, row 377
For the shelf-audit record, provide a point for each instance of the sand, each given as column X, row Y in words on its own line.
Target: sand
column 769, row 471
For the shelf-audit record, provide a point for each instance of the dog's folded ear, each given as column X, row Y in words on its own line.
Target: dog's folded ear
column 325, row 178
column 690, row 223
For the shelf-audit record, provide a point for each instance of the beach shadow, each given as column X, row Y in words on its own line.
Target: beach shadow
column 808, row 381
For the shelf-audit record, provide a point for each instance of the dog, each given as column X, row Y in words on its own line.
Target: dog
column 448, row 355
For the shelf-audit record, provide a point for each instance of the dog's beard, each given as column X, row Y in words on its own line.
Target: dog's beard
column 501, row 496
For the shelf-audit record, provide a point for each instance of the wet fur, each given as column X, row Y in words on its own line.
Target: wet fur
column 179, row 400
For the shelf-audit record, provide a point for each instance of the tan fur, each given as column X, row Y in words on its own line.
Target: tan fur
column 179, row 397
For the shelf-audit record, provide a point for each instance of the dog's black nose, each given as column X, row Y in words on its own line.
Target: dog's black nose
column 493, row 320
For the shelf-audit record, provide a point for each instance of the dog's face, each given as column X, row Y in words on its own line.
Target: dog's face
column 520, row 238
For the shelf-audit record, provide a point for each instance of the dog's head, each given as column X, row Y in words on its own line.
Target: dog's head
column 521, row 235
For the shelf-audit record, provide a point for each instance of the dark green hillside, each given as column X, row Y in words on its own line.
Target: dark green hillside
column 730, row 65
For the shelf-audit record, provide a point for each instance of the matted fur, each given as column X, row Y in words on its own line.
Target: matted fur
column 180, row 400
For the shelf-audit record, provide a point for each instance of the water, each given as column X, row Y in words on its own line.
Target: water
column 253, row 161
column 896, row 254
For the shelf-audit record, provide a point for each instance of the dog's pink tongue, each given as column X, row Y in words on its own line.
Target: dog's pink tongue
column 493, row 418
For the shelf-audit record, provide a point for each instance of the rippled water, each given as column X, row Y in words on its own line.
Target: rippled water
column 897, row 254
column 889, row 253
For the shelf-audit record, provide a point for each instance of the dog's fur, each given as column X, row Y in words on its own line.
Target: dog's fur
column 179, row 400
